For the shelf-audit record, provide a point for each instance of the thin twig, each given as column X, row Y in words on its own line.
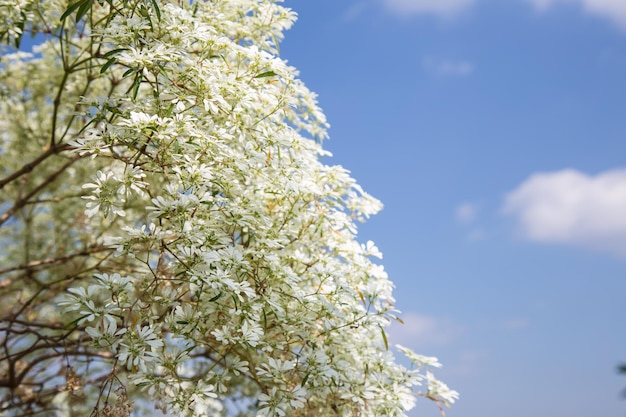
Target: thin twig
column 23, row 201
column 31, row 165
column 49, row 261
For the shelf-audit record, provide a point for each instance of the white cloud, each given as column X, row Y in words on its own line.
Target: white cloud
column 419, row 330
column 442, row 8
column 614, row 10
column 573, row 208
column 517, row 323
column 472, row 363
column 448, row 67
column 466, row 213
column 355, row 10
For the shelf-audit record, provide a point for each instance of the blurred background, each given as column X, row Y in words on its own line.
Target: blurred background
column 495, row 134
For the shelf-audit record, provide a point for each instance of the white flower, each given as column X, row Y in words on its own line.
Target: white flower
column 439, row 390
column 237, row 274
column 419, row 360
column 137, row 348
column 271, row 404
column 105, row 196
column 251, row 333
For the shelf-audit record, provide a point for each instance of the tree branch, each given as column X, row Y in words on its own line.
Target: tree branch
column 31, row 165
column 23, row 201
column 51, row 261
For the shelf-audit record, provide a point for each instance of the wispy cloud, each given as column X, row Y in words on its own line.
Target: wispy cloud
column 418, row 330
column 516, row 323
column 441, row 8
column 614, row 10
column 355, row 10
column 571, row 207
column 446, row 67
column 466, row 213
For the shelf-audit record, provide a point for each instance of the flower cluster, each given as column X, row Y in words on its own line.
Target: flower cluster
column 234, row 282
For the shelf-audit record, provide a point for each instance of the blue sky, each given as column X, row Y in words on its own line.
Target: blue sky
column 494, row 131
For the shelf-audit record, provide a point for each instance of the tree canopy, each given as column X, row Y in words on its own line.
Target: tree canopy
column 170, row 237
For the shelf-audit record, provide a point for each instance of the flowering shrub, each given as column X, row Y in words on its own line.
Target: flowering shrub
column 170, row 238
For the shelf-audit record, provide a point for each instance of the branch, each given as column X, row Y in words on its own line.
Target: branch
column 23, row 201
column 8, row 383
column 31, row 165
column 50, row 261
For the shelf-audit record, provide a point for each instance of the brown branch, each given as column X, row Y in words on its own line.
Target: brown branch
column 32, row 164
column 24, row 200
column 19, row 378
column 50, row 261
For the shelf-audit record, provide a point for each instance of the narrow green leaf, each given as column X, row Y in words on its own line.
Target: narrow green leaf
column 144, row 12
column 113, row 52
column 136, row 85
column 305, row 379
column 107, row 65
column 129, row 72
column 83, row 9
column 170, row 110
column 156, row 9
column 72, row 8
column 21, row 24
column 74, row 322
column 216, row 297
column 266, row 74
column 18, row 41
column 382, row 331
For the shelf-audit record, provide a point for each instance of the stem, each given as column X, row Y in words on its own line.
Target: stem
column 31, row 165
column 24, row 201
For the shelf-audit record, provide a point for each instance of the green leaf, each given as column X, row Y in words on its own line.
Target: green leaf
column 129, row 72
column 73, row 323
column 83, row 9
column 144, row 12
column 168, row 113
column 21, row 25
column 266, row 74
column 382, row 331
column 113, row 52
column 136, row 85
column 107, row 65
column 156, row 9
column 216, row 297
column 305, row 379
column 18, row 41
column 74, row 7
column 71, row 9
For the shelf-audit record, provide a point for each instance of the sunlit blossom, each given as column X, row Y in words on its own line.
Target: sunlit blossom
column 188, row 245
